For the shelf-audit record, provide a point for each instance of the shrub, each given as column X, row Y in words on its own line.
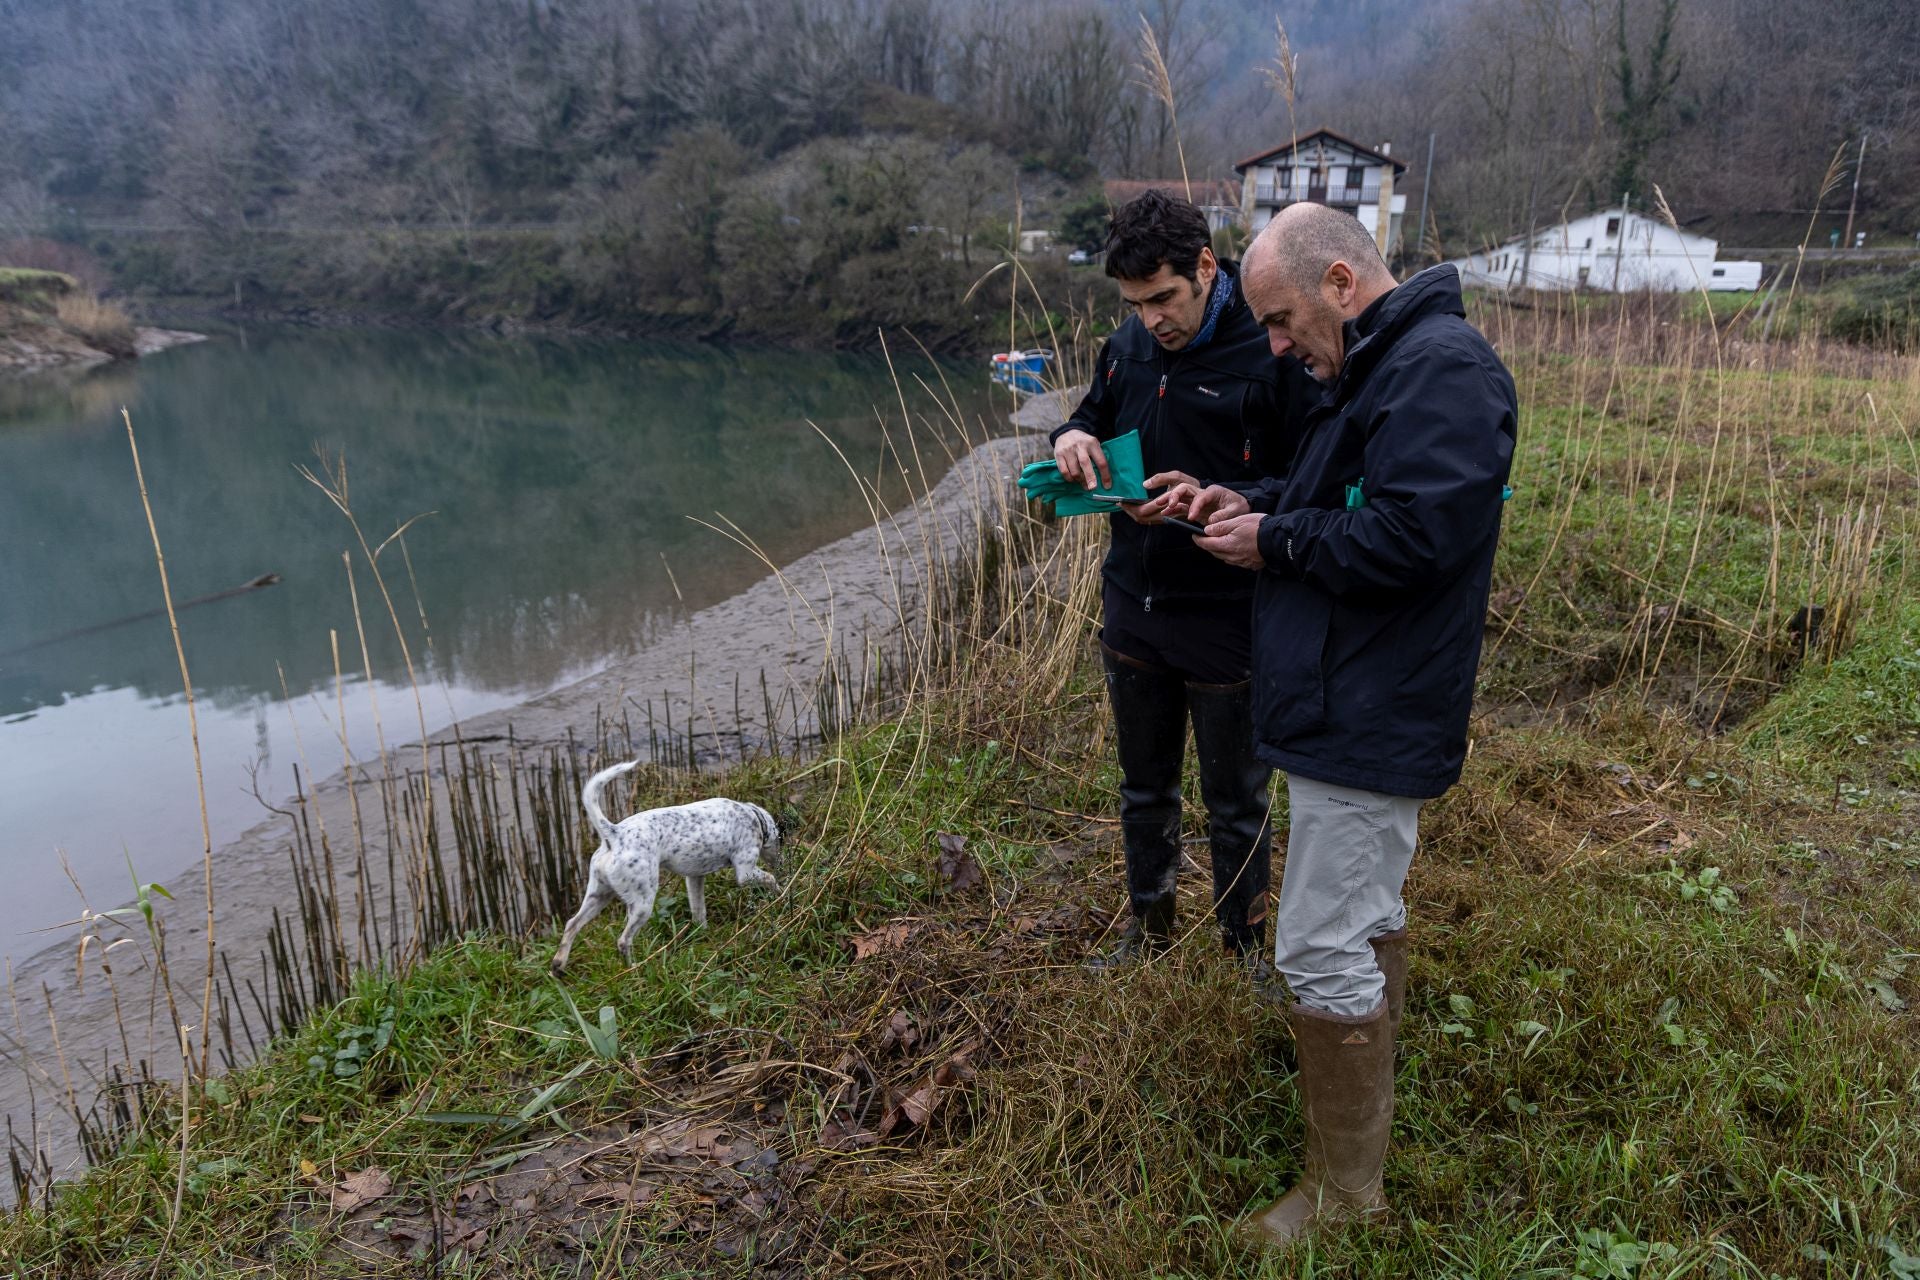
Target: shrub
column 1879, row 310
column 32, row 287
column 100, row 324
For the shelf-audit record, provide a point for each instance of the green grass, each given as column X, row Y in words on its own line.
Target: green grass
column 1658, row 1020
column 1597, row 1042
column 32, row 287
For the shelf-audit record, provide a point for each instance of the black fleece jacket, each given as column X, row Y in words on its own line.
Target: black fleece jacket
column 1228, row 412
column 1369, row 614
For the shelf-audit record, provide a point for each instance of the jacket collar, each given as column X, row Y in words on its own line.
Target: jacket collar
column 1369, row 335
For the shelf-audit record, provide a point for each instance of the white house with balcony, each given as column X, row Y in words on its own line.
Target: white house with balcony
column 1616, row 251
column 1324, row 168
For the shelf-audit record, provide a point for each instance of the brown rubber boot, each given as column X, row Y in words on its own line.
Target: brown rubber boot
column 1390, row 952
column 1346, row 1095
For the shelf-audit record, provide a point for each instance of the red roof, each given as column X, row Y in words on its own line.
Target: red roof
column 1399, row 166
column 1206, row 191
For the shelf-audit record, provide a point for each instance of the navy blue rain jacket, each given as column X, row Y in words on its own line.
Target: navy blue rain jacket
column 1369, row 616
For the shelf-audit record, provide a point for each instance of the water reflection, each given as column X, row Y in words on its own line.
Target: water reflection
column 561, row 477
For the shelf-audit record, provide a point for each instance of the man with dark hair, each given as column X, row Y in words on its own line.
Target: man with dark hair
column 1190, row 371
column 1374, row 555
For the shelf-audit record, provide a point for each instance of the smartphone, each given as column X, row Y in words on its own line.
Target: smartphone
column 1185, row 526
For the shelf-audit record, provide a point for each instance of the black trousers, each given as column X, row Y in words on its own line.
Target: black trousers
column 1176, row 665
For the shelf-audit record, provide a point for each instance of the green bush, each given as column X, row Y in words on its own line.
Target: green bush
column 1878, row 310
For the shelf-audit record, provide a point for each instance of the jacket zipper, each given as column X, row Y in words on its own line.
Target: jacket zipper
column 1146, row 541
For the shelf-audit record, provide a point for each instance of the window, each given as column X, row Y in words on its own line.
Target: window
column 1583, row 274
column 1588, row 244
column 1718, row 272
column 1613, row 227
column 1283, row 177
column 1355, row 174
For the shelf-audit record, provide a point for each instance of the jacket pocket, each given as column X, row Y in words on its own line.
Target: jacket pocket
column 1289, row 661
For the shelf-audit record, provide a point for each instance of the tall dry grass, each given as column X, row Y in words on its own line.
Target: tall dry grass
column 1694, row 515
column 99, row 323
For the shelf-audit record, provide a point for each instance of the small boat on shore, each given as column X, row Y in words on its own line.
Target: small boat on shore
column 1023, row 371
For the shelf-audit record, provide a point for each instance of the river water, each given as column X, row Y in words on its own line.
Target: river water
column 567, row 481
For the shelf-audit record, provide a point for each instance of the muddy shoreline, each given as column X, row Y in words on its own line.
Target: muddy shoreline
column 46, row 348
column 838, row 604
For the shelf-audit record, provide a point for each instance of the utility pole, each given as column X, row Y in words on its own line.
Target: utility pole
column 1846, row 241
column 1620, row 240
column 1526, row 258
column 1426, row 185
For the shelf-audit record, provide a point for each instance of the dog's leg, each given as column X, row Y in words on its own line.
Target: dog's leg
column 697, row 899
column 751, row 873
column 596, row 901
column 639, row 909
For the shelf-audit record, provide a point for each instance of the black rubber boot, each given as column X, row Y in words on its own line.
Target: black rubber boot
column 1150, row 726
column 1147, row 935
column 1235, row 785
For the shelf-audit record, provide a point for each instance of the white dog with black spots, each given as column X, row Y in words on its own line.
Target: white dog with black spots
column 692, row 840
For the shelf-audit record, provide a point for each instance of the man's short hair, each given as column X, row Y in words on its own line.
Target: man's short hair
column 1154, row 228
column 1315, row 237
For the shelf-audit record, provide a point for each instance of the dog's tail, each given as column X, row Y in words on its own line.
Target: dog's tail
column 590, row 797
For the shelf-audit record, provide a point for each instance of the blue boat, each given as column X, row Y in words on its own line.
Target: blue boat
column 1024, row 371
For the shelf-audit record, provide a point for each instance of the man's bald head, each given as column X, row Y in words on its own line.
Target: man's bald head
column 1309, row 271
column 1304, row 240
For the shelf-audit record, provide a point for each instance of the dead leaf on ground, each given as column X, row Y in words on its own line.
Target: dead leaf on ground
column 682, row 1139
column 738, row 1080
column 912, row 1107
column 957, row 866
column 1681, row 842
column 361, row 1188
column 845, row 1135
column 900, row 1031
column 455, row 1233
column 619, row 1192
column 888, row 937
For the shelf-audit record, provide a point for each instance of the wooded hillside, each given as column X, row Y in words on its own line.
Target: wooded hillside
column 631, row 121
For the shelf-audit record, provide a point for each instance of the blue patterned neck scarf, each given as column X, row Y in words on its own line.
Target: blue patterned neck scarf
column 1217, row 303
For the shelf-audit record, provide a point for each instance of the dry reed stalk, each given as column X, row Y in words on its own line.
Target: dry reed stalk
column 1829, row 183
column 366, row 667
column 1701, row 509
column 1158, row 82
column 332, row 481
column 347, row 768
column 60, row 1053
column 1284, row 75
column 337, row 949
column 193, row 727
column 186, row 1133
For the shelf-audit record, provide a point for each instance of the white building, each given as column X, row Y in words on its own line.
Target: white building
column 1615, row 252
column 1324, row 168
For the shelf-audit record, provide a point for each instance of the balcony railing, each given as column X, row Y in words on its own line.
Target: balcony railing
column 1316, row 193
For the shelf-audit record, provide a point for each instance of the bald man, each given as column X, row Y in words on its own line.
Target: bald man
column 1374, row 555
